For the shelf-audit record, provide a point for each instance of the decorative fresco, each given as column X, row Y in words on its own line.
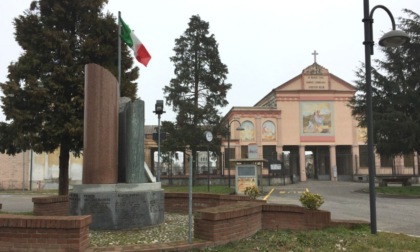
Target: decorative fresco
column 248, row 134
column 268, row 131
column 362, row 135
column 316, row 118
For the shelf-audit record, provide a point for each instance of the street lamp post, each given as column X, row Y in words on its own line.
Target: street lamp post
column 158, row 111
column 228, row 149
column 209, row 138
column 390, row 39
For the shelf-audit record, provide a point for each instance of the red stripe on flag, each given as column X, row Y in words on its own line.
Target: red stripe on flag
column 143, row 55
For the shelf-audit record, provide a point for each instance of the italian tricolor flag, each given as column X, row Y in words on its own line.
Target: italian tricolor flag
column 128, row 36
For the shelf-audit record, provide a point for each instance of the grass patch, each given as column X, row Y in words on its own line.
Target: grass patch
column 18, row 213
column 48, row 192
column 326, row 240
column 399, row 190
column 216, row 189
column 330, row 239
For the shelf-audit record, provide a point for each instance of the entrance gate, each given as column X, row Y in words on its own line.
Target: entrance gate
column 318, row 165
column 318, row 162
column 291, row 162
column 344, row 163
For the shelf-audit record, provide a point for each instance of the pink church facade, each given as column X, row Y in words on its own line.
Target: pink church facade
column 307, row 124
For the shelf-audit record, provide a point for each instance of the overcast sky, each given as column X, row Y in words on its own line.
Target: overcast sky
column 264, row 43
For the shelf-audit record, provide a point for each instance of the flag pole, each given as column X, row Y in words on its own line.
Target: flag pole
column 119, row 53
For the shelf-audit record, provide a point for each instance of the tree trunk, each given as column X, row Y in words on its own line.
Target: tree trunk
column 63, row 178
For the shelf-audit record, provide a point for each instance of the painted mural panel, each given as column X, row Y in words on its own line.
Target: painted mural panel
column 268, row 131
column 248, row 134
column 316, row 118
column 362, row 135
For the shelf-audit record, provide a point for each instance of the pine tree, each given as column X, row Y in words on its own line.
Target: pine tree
column 44, row 96
column 198, row 89
column 395, row 96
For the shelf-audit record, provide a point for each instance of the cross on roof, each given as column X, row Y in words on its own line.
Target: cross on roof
column 314, row 54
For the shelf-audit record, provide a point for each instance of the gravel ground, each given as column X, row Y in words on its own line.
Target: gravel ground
column 174, row 228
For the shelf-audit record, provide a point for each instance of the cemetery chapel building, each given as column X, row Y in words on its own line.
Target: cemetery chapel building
column 306, row 122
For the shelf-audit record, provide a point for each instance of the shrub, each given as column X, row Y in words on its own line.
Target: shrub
column 310, row 200
column 252, row 191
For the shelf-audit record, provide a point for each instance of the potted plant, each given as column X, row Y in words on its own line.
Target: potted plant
column 311, row 201
column 252, row 191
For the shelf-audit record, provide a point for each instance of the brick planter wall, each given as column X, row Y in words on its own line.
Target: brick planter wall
column 178, row 202
column 47, row 233
column 277, row 217
column 220, row 219
column 51, row 205
column 317, row 219
column 228, row 222
column 293, row 217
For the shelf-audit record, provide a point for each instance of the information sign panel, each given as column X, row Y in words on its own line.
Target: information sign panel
column 246, row 176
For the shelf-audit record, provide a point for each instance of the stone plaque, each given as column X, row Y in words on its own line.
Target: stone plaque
column 315, row 82
column 252, row 151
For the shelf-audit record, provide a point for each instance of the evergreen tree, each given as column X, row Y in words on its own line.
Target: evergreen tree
column 198, row 89
column 395, row 94
column 44, row 96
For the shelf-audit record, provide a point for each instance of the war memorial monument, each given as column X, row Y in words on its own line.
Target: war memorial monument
column 116, row 188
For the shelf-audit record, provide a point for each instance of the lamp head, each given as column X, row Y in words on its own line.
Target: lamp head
column 394, row 38
column 159, row 107
column 240, row 128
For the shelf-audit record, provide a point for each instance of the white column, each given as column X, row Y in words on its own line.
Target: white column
column 333, row 164
column 279, row 140
column 355, row 161
column 302, row 163
column 258, row 138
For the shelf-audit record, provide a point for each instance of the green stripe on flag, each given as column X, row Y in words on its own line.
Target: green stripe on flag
column 125, row 33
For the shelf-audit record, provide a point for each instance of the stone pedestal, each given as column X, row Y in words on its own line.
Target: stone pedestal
column 119, row 206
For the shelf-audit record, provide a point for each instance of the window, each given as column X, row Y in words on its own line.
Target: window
column 409, row 160
column 269, row 152
column 244, row 151
column 231, row 155
column 363, row 154
column 386, row 161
